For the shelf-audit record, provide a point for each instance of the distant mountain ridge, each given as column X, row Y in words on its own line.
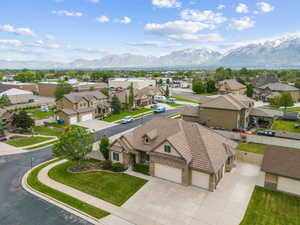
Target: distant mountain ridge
column 280, row 53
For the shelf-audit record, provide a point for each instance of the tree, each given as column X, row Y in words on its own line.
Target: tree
column 160, row 82
column 211, row 86
column 197, row 86
column 4, row 101
column 167, row 92
column 297, row 84
column 131, row 96
column 74, row 144
column 22, row 120
column 1, row 128
column 249, row 91
column 104, row 144
column 25, row 76
column 286, row 100
column 168, row 81
column 62, row 89
column 115, row 105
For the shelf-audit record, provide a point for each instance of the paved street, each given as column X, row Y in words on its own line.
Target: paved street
column 18, row 207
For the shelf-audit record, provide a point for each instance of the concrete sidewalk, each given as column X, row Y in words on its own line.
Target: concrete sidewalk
column 119, row 215
column 6, row 149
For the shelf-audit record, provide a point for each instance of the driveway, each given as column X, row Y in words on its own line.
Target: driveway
column 173, row 204
column 95, row 125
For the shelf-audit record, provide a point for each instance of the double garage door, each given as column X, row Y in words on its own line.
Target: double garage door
column 87, row 117
column 288, row 185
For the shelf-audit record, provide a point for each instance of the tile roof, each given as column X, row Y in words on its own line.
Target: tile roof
column 259, row 112
column 78, row 111
column 75, row 97
column 190, row 111
column 199, row 146
column 279, row 87
column 282, row 162
column 233, row 84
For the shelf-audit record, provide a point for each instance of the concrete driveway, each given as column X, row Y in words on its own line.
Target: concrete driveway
column 95, row 125
column 173, row 204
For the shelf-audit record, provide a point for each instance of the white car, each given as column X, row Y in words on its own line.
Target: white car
column 127, row 119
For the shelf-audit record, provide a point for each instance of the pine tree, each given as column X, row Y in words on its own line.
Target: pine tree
column 115, row 105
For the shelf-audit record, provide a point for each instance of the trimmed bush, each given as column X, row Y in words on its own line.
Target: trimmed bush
column 107, row 165
column 118, row 167
column 141, row 168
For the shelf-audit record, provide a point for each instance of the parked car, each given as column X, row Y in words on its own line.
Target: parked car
column 241, row 130
column 154, row 106
column 171, row 100
column 269, row 133
column 127, row 119
column 3, row 139
column 160, row 98
column 160, row 109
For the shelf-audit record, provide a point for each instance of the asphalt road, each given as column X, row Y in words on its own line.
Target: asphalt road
column 18, row 207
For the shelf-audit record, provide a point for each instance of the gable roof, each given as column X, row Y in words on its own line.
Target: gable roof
column 233, row 84
column 263, row 80
column 279, row 87
column 199, row 146
column 190, row 111
column 282, row 162
column 75, row 97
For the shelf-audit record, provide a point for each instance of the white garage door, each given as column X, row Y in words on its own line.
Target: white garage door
column 87, row 117
column 200, row 179
column 288, row 185
column 73, row 120
column 167, row 172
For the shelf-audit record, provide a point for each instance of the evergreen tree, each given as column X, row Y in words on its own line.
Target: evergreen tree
column 211, row 86
column 167, row 92
column 131, row 96
column 249, row 91
column 115, row 105
column 104, row 144
column 62, row 89
column 22, row 120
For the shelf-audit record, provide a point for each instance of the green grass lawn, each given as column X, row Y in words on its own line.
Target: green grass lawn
column 272, row 208
column 34, row 183
column 115, row 188
column 26, row 141
column 185, row 99
column 285, row 126
column 174, row 104
column 38, row 114
column 294, row 109
column 42, row 145
column 48, row 131
column 116, row 117
column 256, row 148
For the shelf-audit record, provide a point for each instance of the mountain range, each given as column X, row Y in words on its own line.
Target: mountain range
column 273, row 54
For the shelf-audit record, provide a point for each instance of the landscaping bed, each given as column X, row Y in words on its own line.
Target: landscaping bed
column 92, row 165
column 256, row 147
column 272, row 208
column 141, row 168
column 115, row 188
column 26, row 141
column 34, row 183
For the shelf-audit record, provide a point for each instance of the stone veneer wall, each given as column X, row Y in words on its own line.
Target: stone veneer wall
column 271, row 181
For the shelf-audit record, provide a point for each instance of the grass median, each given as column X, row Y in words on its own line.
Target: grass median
column 34, row 183
column 26, row 141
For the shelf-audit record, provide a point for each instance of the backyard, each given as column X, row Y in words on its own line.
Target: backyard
column 26, row 141
column 286, row 126
column 116, row 117
column 256, row 148
column 115, row 188
column 272, row 208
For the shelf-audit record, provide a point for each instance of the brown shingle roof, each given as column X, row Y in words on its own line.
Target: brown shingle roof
column 282, row 162
column 233, row 84
column 201, row 147
column 190, row 111
column 75, row 97
column 279, row 87
column 259, row 112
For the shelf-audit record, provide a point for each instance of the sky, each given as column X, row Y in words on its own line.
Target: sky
column 66, row 30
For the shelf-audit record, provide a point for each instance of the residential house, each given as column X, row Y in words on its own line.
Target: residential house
column 263, row 80
column 17, row 96
column 81, row 106
column 272, row 90
column 124, row 83
column 231, row 86
column 178, row 151
column 19, row 85
column 282, row 169
column 291, row 116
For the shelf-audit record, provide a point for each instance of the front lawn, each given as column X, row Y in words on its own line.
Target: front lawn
column 174, row 104
column 182, row 99
column 115, row 188
column 34, row 183
column 294, row 109
column 39, row 114
column 48, row 131
column 116, row 117
column 26, row 141
column 272, row 208
column 256, row 148
column 285, row 126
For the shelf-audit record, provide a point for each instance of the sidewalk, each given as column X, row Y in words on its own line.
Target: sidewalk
column 119, row 215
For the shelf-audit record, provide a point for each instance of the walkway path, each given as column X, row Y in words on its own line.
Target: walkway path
column 119, row 215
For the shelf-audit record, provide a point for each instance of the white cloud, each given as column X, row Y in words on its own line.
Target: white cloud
column 126, row 20
column 154, row 44
column 102, row 19
column 242, row 8
column 221, row 6
column 177, row 27
column 265, row 7
column 166, row 3
column 67, row 13
column 213, row 37
column 11, row 42
column 19, row 31
column 50, row 37
column 207, row 16
column 242, row 23
column 39, row 43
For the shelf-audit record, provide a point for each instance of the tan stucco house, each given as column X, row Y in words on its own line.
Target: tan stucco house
column 178, row 151
column 231, row 86
column 81, row 106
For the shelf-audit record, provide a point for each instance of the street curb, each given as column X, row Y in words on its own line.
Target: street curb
column 56, row 202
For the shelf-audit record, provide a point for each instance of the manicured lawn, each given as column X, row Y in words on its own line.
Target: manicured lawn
column 294, row 109
column 48, row 131
column 34, row 183
column 272, row 208
column 174, row 105
column 120, row 116
column 256, row 148
column 38, row 114
column 285, row 126
column 140, row 168
column 115, row 188
column 185, row 99
column 42, row 145
column 21, row 142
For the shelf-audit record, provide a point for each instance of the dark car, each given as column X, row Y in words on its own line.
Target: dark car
column 3, row 139
column 269, row 133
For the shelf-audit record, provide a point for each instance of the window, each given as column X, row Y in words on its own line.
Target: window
column 116, row 156
column 146, row 140
column 167, row 148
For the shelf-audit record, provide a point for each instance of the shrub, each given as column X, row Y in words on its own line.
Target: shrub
column 107, row 164
column 140, row 168
column 118, row 167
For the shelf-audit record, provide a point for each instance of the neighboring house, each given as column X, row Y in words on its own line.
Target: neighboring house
column 81, row 106
column 231, row 86
column 123, row 83
column 19, row 85
column 269, row 91
column 17, row 96
column 282, row 168
column 291, row 116
column 178, row 151
column 263, row 80
column 47, row 89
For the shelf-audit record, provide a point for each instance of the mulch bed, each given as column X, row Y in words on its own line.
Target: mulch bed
column 85, row 167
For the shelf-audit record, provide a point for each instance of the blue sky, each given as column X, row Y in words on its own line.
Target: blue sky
column 64, row 30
